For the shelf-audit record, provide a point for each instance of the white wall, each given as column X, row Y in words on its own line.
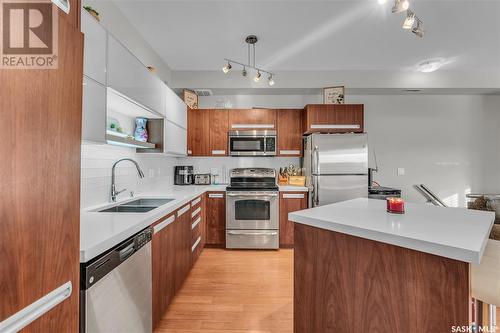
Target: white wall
column 97, row 161
column 117, row 24
column 450, row 143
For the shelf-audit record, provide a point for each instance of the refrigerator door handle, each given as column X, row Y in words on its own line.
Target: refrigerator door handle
column 316, row 192
column 315, row 165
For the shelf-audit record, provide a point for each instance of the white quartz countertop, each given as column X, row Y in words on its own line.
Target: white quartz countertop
column 101, row 231
column 455, row 233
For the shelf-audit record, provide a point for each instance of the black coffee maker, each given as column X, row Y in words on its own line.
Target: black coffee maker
column 184, row 175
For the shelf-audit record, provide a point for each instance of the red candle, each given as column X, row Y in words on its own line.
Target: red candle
column 395, row 205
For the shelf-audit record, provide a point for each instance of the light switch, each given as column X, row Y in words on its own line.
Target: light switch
column 401, row 171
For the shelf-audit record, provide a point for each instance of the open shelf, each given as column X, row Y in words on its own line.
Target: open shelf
column 126, row 141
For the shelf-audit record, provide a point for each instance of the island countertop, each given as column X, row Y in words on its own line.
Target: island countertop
column 455, row 233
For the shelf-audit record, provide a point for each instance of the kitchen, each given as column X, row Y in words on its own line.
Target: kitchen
column 444, row 136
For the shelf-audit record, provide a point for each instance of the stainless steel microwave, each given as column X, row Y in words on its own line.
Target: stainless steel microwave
column 252, row 143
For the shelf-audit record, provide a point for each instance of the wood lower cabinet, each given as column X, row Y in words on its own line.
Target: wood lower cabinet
column 198, row 132
column 289, row 132
column 216, row 219
column 198, row 230
column 183, row 245
column 163, row 253
column 41, row 113
column 218, row 132
column 252, row 119
column 289, row 202
column 334, row 118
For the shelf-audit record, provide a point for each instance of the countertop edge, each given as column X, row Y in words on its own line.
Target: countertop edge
column 450, row 252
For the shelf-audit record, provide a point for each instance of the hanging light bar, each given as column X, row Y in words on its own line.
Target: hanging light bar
column 417, row 29
column 410, row 20
column 250, row 40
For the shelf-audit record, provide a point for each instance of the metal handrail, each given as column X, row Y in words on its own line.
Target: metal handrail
column 429, row 195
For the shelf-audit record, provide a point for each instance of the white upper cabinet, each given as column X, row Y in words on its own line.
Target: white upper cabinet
column 175, row 108
column 94, row 111
column 175, row 139
column 127, row 75
column 94, row 54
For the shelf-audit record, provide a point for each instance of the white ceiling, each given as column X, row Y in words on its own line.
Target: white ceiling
column 318, row 35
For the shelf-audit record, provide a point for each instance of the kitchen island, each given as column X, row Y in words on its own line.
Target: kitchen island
column 358, row 268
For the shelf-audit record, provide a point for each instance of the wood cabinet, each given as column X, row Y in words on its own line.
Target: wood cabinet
column 334, row 118
column 198, row 231
column 94, row 52
column 216, row 219
column 289, row 124
column 252, row 119
column 289, row 202
column 163, row 254
column 41, row 111
column 218, row 123
column 198, row 132
column 183, row 245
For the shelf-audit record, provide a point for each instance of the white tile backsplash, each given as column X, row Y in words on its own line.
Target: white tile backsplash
column 96, row 164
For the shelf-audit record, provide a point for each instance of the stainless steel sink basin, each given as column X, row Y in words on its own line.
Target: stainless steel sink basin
column 127, row 209
column 148, row 202
column 137, row 206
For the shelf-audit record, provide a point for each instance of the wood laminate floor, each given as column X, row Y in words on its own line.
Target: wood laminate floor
column 235, row 291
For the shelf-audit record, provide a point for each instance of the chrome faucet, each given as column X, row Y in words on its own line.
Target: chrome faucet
column 114, row 192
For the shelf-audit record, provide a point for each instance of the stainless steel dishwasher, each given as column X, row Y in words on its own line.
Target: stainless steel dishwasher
column 115, row 288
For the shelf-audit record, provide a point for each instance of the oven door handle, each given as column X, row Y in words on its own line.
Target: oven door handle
column 255, row 233
column 252, row 194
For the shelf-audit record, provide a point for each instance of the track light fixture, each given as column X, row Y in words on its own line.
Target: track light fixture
column 400, row 6
column 257, row 77
column 270, row 80
column 417, row 29
column 227, row 68
column 410, row 20
column 251, row 40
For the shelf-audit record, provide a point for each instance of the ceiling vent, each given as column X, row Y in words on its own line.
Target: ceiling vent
column 203, row 92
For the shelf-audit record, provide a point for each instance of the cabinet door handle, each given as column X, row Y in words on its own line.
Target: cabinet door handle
column 237, row 126
column 255, row 233
column 195, row 223
column 335, row 126
column 197, row 210
column 195, row 245
column 218, row 152
column 293, row 196
column 23, row 318
column 195, row 201
column 216, row 195
column 289, row 152
column 163, row 224
column 183, row 210
column 190, row 152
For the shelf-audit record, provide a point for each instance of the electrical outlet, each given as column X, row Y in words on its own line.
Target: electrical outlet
column 151, row 173
column 401, row 171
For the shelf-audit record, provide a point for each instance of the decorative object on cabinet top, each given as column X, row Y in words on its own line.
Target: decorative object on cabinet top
column 334, row 95
column 92, row 12
column 190, row 98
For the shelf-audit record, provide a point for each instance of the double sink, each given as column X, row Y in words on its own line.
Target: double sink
column 137, row 206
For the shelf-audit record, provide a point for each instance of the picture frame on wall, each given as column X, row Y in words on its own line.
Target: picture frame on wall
column 334, row 95
column 191, row 99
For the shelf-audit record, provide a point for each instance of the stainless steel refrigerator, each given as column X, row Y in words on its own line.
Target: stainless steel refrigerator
column 336, row 167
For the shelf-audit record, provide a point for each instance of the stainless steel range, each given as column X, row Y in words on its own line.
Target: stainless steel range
column 252, row 214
